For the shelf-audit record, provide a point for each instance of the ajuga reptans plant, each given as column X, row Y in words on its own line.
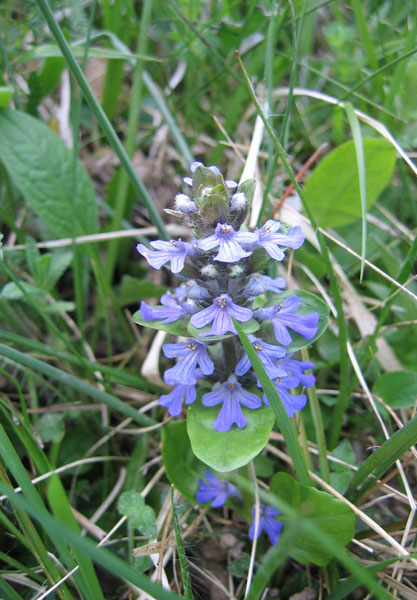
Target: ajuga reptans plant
column 223, row 277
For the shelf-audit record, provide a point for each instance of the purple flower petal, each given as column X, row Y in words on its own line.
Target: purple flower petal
column 232, row 395
column 220, row 313
column 267, row 522
column 216, row 490
column 191, row 354
column 173, row 400
column 174, row 252
column 228, row 241
column 273, row 242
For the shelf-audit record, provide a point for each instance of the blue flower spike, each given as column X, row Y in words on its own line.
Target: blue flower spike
column 226, row 287
column 267, row 522
column 217, row 490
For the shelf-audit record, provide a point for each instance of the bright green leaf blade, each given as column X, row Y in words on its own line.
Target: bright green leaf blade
column 6, row 94
column 177, row 328
column 181, row 465
column 130, row 504
column 360, row 161
column 227, row 450
column 51, row 50
column 332, row 190
column 283, row 420
column 383, row 458
column 332, row 517
column 398, row 389
column 42, row 168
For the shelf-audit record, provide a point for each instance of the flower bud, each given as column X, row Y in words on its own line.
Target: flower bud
column 184, row 205
column 210, row 271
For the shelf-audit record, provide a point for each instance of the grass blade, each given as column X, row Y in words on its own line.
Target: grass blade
column 182, row 557
column 103, row 557
column 360, row 159
column 277, row 406
column 77, row 384
column 382, row 459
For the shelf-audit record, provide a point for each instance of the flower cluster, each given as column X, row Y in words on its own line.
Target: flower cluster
column 218, row 491
column 222, row 280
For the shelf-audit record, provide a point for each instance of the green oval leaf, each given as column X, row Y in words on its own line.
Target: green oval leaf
column 309, row 303
column 178, row 328
column 42, row 167
column 398, row 389
column 332, row 190
column 181, row 465
column 227, row 450
column 333, row 518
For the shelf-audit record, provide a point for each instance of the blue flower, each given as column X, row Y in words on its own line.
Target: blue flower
column 282, row 317
column 272, row 241
column 174, row 307
column 267, row 521
column 174, row 252
column 216, row 489
column 228, row 241
column 232, row 395
column 297, row 368
column 267, row 353
column 259, row 284
column 173, row 400
column 220, row 313
column 292, row 402
column 191, row 353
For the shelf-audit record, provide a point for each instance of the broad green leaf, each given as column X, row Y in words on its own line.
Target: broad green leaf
column 398, row 389
column 340, row 480
column 51, row 427
column 132, row 506
column 343, row 451
column 227, row 450
column 332, row 517
column 249, row 327
column 42, row 168
column 332, row 190
column 60, row 306
column 181, row 465
column 60, row 261
column 178, row 328
column 309, row 303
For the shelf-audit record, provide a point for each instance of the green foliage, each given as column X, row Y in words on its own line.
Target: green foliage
column 333, row 518
column 332, row 190
column 132, row 505
column 226, row 451
column 58, row 189
column 398, row 390
column 181, row 464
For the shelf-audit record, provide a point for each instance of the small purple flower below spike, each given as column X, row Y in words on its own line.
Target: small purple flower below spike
column 292, row 402
column 228, row 240
column 215, row 489
column 174, row 252
column 273, row 242
column 232, row 395
column 297, row 368
column 220, row 313
column 282, row 318
column 173, row 400
column 267, row 353
column 267, row 522
column 191, row 353
column 259, row 284
column 174, row 307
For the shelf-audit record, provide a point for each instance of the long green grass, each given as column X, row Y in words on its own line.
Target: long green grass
column 138, row 91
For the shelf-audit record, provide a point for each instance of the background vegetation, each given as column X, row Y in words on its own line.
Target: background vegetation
column 104, row 107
